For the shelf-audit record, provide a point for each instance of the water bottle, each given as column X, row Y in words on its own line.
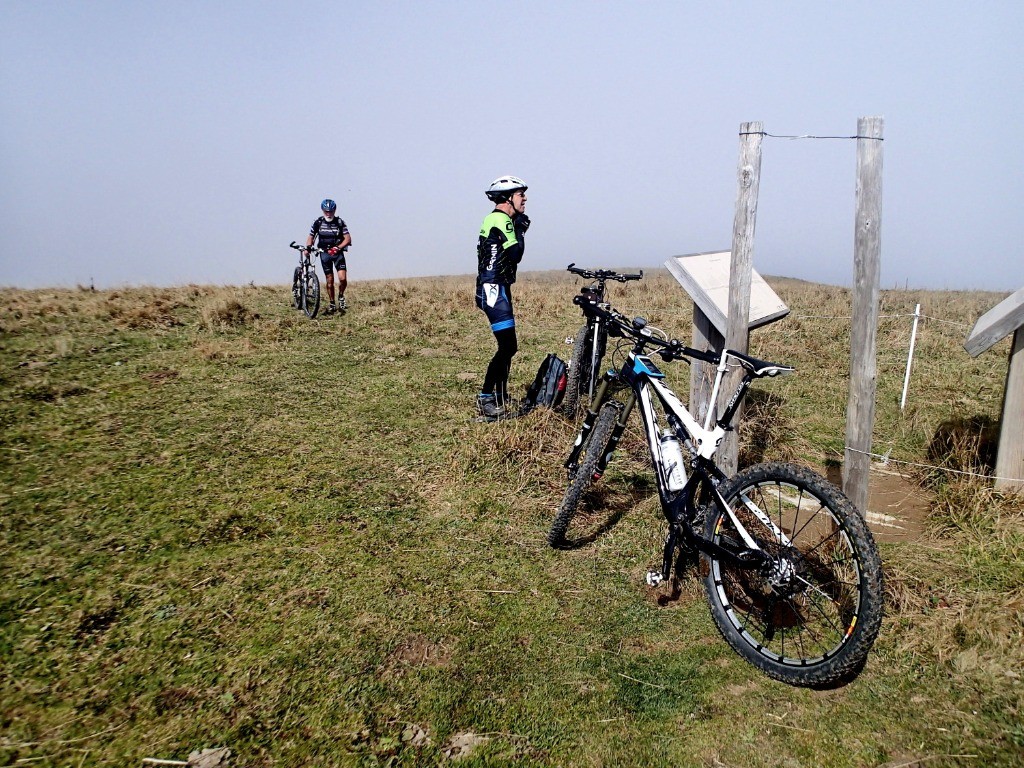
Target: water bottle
column 672, row 461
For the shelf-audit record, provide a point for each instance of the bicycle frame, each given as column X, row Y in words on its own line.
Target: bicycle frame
column 644, row 380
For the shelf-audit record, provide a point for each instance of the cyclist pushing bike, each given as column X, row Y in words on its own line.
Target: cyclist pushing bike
column 333, row 236
column 499, row 251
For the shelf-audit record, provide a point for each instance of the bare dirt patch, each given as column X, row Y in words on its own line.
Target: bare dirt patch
column 417, row 650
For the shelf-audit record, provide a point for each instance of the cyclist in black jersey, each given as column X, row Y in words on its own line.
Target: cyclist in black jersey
column 334, row 238
column 499, row 251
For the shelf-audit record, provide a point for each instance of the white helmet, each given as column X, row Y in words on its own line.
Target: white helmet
column 501, row 189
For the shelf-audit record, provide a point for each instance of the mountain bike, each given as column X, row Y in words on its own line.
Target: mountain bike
column 791, row 573
column 305, row 283
column 591, row 340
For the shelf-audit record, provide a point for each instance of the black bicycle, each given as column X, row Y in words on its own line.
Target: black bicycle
column 305, row 283
column 792, row 575
column 591, row 340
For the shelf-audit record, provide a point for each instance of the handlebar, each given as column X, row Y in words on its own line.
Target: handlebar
column 603, row 274
column 310, row 248
column 673, row 349
column 637, row 328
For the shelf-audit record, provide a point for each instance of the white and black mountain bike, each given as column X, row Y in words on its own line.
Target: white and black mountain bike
column 791, row 573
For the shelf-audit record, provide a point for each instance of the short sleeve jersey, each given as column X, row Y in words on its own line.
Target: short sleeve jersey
column 499, row 250
column 330, row 232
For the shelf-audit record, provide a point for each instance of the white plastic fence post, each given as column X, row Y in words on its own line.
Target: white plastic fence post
column 910, row 356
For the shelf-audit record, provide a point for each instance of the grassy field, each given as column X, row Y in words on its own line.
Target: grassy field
column 226, row 525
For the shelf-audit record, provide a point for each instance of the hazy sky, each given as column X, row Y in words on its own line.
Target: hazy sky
column 165, row 143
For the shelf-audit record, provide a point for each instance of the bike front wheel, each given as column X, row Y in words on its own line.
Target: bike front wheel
column 297, row 288
column 579, row 372
column 811, row 613
column 311, row 295
column 569, row 515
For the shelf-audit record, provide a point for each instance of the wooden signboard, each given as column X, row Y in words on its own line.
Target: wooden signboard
column 705, row 277
column 995, row 325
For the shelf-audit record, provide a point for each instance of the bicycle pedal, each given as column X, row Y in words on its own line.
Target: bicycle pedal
column 654, row 578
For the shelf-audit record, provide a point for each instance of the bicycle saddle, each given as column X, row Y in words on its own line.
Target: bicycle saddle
column 759, row 368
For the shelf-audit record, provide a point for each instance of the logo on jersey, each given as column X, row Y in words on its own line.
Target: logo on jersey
column 492, row 292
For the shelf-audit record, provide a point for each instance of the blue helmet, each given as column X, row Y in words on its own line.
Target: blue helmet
column 328, row 206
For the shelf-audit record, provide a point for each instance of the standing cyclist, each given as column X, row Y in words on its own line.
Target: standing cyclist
column 334, row 239
column 499, row 251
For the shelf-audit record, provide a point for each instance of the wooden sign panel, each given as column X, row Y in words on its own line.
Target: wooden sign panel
column 996, row 324
column 705, row 277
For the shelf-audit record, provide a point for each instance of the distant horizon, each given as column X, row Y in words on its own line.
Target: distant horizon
column 469, row 276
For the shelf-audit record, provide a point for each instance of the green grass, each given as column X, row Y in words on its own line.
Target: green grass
column 225, row 525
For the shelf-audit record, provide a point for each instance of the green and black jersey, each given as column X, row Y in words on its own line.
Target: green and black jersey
column 499, row 250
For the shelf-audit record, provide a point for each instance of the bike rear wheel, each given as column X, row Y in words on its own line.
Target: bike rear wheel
column 571, row 523
column 579, row 371
column 811, row 615
column 311, row 295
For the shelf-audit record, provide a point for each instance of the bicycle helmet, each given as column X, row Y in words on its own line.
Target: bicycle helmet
column 501, row 189
column 328, row 206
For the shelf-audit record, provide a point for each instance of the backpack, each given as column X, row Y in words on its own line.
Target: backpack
column 548, row 386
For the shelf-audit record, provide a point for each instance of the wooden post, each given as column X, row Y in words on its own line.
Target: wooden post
column 702, row 375
column 737, row 334
column 860, row 409
column 1010, row 458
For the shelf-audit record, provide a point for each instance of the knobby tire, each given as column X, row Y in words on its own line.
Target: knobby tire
column 311, row 295
column 579, row 372
column 595, row 447
column 812, row 624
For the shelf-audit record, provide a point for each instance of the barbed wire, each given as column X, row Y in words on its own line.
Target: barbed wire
column 947, row 322
column 887, row 459
column 806, row 136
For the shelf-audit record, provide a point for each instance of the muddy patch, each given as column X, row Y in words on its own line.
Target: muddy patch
column 897, row 505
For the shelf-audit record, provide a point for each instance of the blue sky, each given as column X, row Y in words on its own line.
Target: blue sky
column 191, row 141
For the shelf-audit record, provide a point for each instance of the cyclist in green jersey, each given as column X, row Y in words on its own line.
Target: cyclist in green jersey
column 499, row 251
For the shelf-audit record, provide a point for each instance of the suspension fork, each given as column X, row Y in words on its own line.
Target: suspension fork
column 613, row 442
column 588, row 425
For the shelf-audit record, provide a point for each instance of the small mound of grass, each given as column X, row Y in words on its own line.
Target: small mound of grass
column 226, row 313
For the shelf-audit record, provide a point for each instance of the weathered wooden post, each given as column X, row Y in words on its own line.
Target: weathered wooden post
column 995, row 325
column 737, row 334
column 860, row 409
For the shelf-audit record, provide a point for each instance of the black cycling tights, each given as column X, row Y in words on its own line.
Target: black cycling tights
column 496, row 380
